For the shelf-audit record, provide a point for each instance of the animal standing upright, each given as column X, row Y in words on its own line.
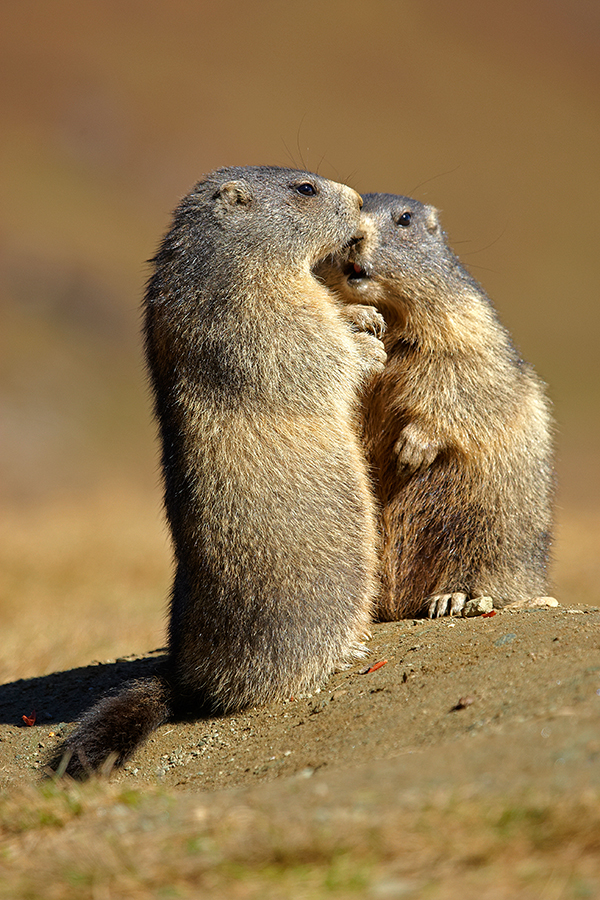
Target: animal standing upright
column 457, row 427
column 256, row 375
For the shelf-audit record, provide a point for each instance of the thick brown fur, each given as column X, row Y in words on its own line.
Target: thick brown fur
column 457, row 428
column 256, row 376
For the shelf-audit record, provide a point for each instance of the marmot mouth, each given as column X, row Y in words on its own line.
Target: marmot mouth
column 354, row 271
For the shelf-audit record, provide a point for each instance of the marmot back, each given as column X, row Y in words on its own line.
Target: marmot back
column 256, row 375
column 456, row 428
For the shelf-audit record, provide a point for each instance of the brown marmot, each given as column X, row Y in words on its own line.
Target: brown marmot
column 457, row 428
column 256, row 376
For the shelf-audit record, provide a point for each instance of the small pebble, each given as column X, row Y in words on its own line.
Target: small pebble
column 546, row 602
column 534, row 603
column 505, row 639
column 464, row 702
column 477, row 606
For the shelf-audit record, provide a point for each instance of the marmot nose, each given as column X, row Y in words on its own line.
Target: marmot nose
column 360, row 202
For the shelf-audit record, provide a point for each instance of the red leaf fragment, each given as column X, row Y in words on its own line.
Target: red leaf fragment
column 30, row 720
column 373, row 668
column 489, row 615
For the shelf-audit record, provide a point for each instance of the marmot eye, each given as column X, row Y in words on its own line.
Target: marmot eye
column 404, row 219
column 306, row 188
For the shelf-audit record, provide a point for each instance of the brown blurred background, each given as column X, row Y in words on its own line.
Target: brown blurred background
column 111, row 110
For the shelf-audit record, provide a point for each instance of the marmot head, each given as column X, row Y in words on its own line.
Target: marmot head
column 285, row 217
column 401, row 256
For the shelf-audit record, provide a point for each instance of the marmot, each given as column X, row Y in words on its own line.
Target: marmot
column 256, row 375
column 457, row 428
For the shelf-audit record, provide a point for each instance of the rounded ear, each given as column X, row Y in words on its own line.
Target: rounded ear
column 235, row 193
column 431, row 220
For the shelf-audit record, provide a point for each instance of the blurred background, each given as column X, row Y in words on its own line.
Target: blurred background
column 110, row 111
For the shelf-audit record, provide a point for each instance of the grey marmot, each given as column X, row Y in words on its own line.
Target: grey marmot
column 457, row 428
column 256, row 374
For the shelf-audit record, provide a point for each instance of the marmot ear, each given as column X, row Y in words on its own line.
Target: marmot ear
column 432, row 223
column 235, row 193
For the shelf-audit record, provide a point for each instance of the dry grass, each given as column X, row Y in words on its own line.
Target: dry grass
column 81, row 581
column 97, row 841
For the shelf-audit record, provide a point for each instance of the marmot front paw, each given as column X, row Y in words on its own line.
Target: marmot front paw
column 365, row 318
column 415, row 449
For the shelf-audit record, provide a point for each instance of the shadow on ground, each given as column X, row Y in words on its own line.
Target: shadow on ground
column 65, row 696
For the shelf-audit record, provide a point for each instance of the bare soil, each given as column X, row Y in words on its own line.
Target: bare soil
column 516, row 678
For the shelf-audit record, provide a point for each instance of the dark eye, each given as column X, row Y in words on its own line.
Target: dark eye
column 404, row 219
column 306, row 188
